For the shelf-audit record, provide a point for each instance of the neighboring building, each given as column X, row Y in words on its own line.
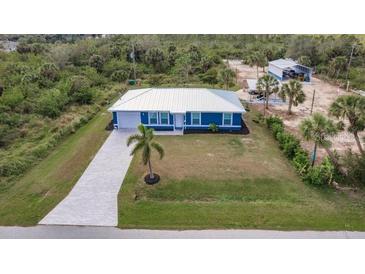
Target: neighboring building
column 8, row 46
column 251, row 86
column 178, row 109
column 285, row 69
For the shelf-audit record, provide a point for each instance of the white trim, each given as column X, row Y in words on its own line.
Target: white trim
column 200, row 118
column 223, row 118
column 207, row 126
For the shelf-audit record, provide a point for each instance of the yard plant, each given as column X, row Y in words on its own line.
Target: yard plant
column 145, row 143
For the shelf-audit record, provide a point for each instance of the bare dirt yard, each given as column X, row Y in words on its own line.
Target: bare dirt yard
column 325, row 94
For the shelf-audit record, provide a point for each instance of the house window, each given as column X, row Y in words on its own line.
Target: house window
column 153, row 118
column 195, row 118
column 227, row 119
column 164, row 116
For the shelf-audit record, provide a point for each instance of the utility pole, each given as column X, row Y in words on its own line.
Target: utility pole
column 134, row 62
column 314, row 93
column 348, row 67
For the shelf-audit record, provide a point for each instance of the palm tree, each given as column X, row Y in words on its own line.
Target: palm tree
column 226, row 76
column 144, row 142
column 258, row 59
column 293, row 90
column 351, row 107
column 318, row 128
column 267, row 85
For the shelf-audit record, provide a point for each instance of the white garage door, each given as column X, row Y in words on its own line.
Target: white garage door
column 128, row 119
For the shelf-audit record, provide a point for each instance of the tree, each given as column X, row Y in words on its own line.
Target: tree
column 80, row 90
column 145, row 143
column 49, row 72
column 97, row 62
column 267, row 85
column 183, row 67
column 258, row 59
column 338, row 65
column 293, row 90
column 305, row 60
column 352, row 108
column 52, row 103
column 120, row 75
column 156, row 58
column 210, row 77
column 226, row 76
column 318, row 129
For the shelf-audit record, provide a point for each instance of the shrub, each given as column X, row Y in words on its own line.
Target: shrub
column 355, row 165
column 50, row 72
column 84, row 96
column 120, row 75
column 213, row 127
column 301, row 161
column 12, row 98
column 320, row 175
column 52, row 103
column 271, row 120
column 97, row 62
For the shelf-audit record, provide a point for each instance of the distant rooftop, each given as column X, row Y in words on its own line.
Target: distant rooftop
column 285, row 63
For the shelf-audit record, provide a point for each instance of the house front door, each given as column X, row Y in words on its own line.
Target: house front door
column 179, row 120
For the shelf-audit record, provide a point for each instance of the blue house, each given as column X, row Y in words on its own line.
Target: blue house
column 178, row 109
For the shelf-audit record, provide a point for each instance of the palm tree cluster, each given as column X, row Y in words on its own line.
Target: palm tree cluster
column 293, row 90
column 319, row 129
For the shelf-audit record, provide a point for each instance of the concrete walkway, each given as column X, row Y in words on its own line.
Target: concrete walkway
column 80, row 232
column 93, row 200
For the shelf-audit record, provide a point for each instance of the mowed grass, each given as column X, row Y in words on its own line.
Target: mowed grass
column 231, row 181
column 28, row 199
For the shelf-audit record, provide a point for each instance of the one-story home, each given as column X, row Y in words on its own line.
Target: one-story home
column 178, row 109
column 285, row 69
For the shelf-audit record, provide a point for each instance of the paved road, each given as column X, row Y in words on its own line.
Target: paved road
column 93, row 200
column 84, row 232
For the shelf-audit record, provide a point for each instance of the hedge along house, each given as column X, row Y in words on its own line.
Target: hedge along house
column 286, row 69
column 178, row 109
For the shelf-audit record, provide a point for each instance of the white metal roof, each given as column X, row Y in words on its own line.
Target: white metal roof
column 251, row 84
column 283, row 63
column 179, row 100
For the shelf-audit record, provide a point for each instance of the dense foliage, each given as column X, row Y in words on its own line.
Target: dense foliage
column 54, row 81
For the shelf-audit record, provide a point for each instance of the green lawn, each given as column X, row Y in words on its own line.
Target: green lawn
column 231, row 181
column 28, row 199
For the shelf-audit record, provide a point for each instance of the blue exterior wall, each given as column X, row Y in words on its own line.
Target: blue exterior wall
column 188, row 118
column 144, row 117
column 236, row 119
column 115, row 118
column 206, row 119
column 161, row 128
column 211, row 117
column 276, row 76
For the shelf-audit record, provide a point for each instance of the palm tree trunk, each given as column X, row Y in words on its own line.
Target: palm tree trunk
column 358, row 142
column 267, row 100
column 257, row 71
column 314, row 155
column 290, row 105
column 150, row 169
column 334, row 161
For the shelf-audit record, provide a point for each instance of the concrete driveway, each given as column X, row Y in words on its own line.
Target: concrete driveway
column 93, row 200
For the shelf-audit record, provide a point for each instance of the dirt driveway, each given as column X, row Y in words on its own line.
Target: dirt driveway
column 325, row 94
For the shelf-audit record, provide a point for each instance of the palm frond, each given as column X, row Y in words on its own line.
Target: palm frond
column 159, row 149
column 137, row 147
column 133, row 138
